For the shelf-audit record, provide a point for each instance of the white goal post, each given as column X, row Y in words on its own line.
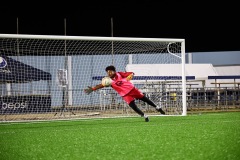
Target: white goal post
column 42, row 77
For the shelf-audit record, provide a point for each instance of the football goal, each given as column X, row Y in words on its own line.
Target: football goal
column 43, row 77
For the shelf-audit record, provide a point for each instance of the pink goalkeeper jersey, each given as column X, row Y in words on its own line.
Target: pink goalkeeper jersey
column 121, row 84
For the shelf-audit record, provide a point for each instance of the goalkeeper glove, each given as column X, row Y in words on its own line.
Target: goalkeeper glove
column 89, row 90
column 130, row 77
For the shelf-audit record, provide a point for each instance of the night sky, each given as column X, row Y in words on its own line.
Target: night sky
column 205, row 26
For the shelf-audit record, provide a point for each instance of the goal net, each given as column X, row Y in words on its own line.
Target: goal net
column 43, row 77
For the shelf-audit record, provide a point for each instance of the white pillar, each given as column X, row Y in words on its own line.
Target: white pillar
column 190, row 58
column 8, row 87
column 69, row 64
column 130, row 59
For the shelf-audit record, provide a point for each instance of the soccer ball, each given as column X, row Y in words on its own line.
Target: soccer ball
column 106, row 81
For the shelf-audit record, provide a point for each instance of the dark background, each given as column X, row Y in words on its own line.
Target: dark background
column 205, row 25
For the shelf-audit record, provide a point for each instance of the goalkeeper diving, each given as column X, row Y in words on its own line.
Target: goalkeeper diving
column 122, row 85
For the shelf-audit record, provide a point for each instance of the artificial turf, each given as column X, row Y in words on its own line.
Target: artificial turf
column 194, row 137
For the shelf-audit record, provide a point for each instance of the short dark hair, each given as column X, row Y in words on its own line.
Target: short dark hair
column 112, row 68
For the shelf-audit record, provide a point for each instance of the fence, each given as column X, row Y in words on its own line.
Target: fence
column 170, row 97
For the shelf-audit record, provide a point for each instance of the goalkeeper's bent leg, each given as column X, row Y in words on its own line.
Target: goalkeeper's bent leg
column 133, row 105
column 148, row 101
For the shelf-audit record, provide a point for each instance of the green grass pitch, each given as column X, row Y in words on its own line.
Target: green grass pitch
column 214, row 136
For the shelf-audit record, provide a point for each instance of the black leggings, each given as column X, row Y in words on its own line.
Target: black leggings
column 148, row 101
column 136, row 109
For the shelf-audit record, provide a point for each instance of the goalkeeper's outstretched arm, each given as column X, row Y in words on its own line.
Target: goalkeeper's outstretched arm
column 91, row 89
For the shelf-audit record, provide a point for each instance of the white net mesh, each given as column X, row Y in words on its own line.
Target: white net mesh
column 43, row 78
